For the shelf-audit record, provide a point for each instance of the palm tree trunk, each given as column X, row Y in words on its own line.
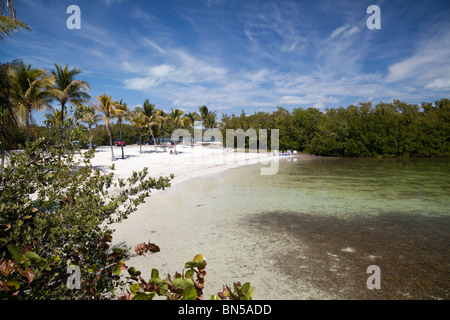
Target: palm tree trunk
column 111, row 143
column 154, row 141
column 91, row 133
column 2, row 165
column 120, row 135
column 62, row 123
column 140, row 142
column 27, row 128
column 175, row 143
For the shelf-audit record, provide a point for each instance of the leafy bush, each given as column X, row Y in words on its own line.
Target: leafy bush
column 55, row 210
column 55, row 213
column 182, row 287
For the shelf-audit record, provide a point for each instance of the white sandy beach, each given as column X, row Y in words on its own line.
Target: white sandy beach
column 190, row 162
column 182, row 226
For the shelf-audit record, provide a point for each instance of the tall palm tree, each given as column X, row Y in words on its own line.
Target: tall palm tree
column 8, row 119
column 53, row 119
column 106, row 106
column 139, row 120
column 91, row 118
column 211, row 121
column 204, row 112
column 121, row 112
column 69, row 90
column 30, row 90
column 175, row 118
column 189, row 122
column 209, row 118
column 152, row 117
column 9, row 21
column 161, row 119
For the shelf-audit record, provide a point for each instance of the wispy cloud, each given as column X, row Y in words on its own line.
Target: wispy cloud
column 110, row 3
column 251, row 54
column 428, row 67
column 344, row 31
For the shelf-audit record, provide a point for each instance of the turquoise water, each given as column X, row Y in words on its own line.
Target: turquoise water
column 352, row 213
column 355, row 187
column 335, row 217
column 312, row 230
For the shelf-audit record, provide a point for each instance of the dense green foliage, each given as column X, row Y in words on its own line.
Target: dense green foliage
column 388, row 129
column 385, row 130
column 55, row 210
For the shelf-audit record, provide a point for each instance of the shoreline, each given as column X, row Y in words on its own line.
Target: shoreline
column 192, row 226
column 189, row 163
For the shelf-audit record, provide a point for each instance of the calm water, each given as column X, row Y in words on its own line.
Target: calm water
column 312, row 230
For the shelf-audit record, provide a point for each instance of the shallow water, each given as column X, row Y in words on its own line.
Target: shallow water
column 311, row 231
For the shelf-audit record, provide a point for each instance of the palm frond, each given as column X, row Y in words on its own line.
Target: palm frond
column 9, row 26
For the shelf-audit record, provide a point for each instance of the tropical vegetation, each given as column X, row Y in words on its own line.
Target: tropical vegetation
column 56, row 209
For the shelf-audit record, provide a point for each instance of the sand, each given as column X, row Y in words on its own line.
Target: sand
column 180, row 235
column 189, row 162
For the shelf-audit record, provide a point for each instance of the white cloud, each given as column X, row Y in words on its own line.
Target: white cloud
column 344, row 31
column 338, row 31
column 320, row 106
column 162, row 71
column 430, row 62
column 110, row 3
column 307, row 99
column 439, row 85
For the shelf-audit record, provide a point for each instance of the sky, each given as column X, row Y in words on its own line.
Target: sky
column 234, row 55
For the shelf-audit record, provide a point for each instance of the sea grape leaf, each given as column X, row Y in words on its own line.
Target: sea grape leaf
column 189, row 293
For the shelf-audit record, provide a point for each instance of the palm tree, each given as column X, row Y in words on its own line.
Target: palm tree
column 138, row 119
column 8, row 119
column 121, row 112
column 53, row 119
column 204, row 112
column 30, row 90
column 91, row 118
column 189, row 121
column 161, row 119
column 69, row 90
column 9, row 21
column 176, row 120
column 209, row 118
column 152, row 117
column 211, row 121
column 106, row 106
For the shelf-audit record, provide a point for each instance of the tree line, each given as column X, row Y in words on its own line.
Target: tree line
column 396, row 129
column 26, row 89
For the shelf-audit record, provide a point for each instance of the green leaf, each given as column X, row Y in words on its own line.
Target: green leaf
column 189, row 273
column 215, row 297
column 247, row 291
column 141, row 296
column 132, row 271
column 182, row 283
column 199, row 258
column 201, row 264
column 135, row 287
column 16, row 254
column 155, row 274
column 189, row 293
column 116, row 270
column 12, row 285
column 190, row 264
column 37, row 260
column 33, row 257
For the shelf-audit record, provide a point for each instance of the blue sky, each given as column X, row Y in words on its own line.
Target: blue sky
column 253, row 55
